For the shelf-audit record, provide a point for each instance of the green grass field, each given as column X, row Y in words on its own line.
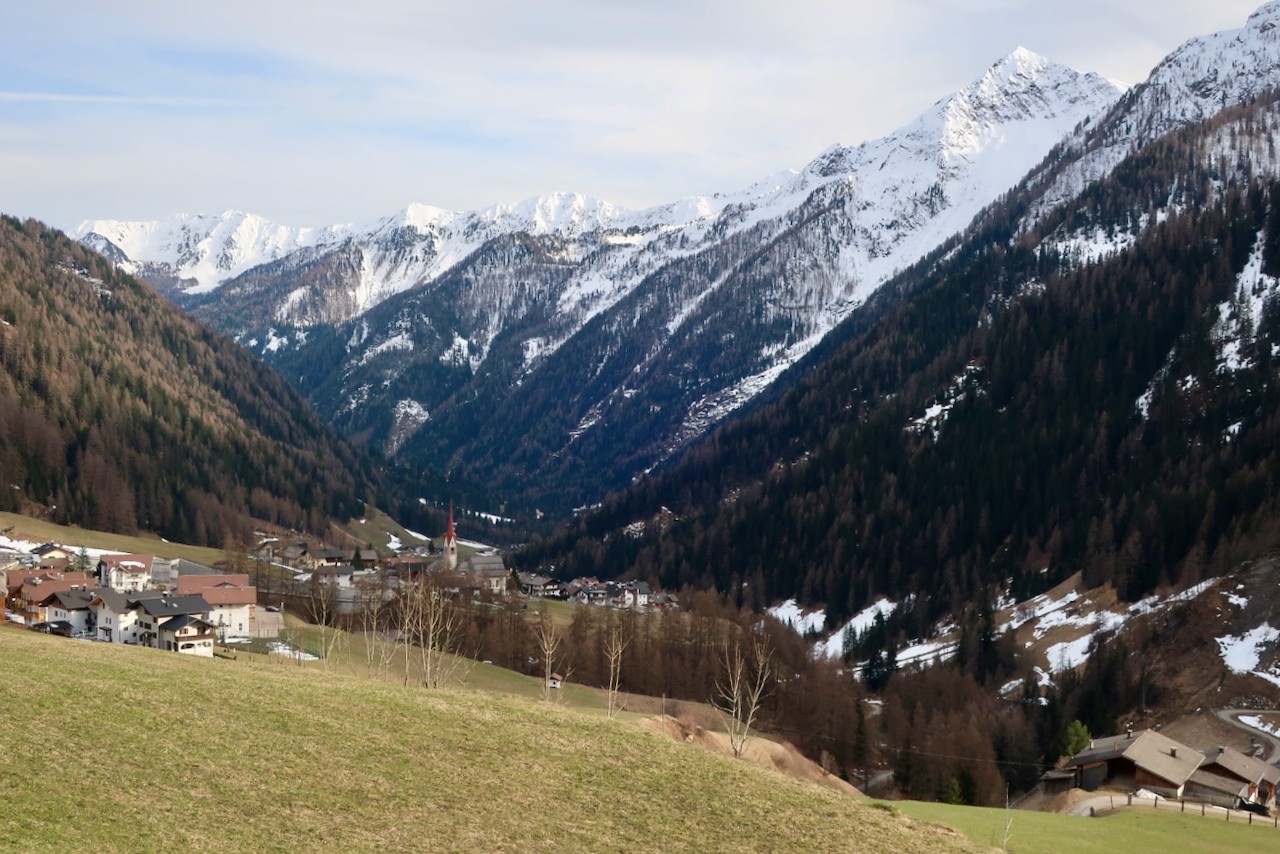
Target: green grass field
column 36, row 530
column 1127, row 830
column 110, row 748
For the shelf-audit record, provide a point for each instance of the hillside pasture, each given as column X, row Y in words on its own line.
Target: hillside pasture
column 114, row 748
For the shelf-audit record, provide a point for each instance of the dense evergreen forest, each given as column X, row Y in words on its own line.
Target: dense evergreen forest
column 1083, row 415
column 118, row 412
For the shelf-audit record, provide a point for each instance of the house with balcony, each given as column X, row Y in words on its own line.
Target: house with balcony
column 125, row 573
column 176, row 624
column 233, row 603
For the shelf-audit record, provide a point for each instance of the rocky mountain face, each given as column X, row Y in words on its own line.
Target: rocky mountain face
column 562, row 346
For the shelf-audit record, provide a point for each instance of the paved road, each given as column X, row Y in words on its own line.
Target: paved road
column 1232, row 716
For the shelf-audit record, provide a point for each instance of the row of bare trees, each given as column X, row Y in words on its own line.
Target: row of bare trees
column 756, row 672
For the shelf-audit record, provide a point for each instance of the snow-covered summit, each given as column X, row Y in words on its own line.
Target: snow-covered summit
column 1202, row 77
column 1012, row 114
column 208, row 248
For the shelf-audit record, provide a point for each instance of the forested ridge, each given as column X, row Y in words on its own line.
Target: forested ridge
column 118, row 412
column 1087, row 419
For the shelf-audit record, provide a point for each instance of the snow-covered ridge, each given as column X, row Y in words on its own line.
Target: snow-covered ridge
column 1193, row 83
column 981, row 140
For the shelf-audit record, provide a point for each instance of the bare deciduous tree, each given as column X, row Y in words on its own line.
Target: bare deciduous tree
column 548, row 638
column 615, row 643
column 740, row 691
column 429, row 619
column 322, row 605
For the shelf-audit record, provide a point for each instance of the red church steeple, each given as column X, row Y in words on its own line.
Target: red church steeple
column 451, row 541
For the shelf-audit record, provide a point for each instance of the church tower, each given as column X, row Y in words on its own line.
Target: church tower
column 451, row 542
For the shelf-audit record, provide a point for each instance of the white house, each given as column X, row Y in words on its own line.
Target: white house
column 233, row 603
column 70, row 610
column 175, row 623
column 115, row 617
column 126, row 573
column 187, row 634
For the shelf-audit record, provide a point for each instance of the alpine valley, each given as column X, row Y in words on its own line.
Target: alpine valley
column 557, row 348
column 991, row 404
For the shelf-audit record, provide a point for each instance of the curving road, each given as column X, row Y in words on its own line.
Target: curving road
column 1232, row 716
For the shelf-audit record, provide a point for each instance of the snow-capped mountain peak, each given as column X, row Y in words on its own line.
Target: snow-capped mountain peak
column 553, row 213
column 747, row 281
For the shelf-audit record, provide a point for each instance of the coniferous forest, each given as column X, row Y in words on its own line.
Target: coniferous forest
column 118, row 412
column 1089, row 420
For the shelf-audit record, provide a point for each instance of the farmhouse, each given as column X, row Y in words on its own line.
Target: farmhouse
column 1146, row 760
column 51, row 552
column 1227, row 777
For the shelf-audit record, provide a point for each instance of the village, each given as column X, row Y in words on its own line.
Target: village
column 178, row 605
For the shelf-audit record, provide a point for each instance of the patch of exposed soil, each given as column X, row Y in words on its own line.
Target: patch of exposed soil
column 776, row 756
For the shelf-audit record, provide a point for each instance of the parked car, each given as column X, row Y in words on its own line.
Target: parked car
column 1256, row 809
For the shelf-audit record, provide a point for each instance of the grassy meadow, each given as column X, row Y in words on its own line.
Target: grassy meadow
column 40, row 531
column 1131, row 830
column 111, row 748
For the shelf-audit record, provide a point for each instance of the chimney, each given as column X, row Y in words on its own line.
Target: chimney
column 1173, row 751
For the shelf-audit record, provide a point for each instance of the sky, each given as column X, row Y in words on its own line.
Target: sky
column 318, row 113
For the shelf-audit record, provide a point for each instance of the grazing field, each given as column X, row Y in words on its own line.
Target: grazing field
column 112, row 748
column 1130, row 830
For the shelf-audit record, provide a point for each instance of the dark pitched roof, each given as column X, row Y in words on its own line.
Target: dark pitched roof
column 181, row 621
column 1235, row 763
column 188, row 567
column 71, row 600
column 121, row 602
column 171, row 606
column 1224, row 783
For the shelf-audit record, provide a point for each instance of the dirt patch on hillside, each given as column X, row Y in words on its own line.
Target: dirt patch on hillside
column 776, row 756
column 1059, row 803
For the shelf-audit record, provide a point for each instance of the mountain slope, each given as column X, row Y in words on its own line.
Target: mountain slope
column 120, row 413
column 1093, row 388
column 611, row 338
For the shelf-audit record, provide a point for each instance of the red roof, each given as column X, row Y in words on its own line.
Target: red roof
column 219, row 589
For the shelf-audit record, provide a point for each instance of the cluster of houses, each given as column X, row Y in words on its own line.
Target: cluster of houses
column 137, row 599
column 634, row 595
column 352, row 575
column 185, row 607
column 1149, row 760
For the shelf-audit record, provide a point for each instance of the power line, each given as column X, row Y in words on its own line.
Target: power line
column 961, row 758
